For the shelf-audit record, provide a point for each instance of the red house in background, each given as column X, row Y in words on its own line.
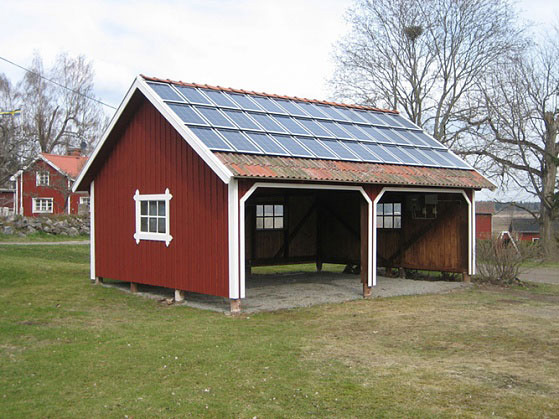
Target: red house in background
column 484, row 219
column 6, row 201
column 45, row 185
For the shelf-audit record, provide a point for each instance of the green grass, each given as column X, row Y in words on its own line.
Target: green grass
column 72, row 349
column 41, row 237
column 301, row 267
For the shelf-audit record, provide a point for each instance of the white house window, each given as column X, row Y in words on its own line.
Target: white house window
column 152, row 217
column 42, row 178
column 84, row 200
column 42, row 205
column 269, row 217
column 389, row 215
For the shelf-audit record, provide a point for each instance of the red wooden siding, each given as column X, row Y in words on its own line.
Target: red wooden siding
column 150, row 156
column 55, row 190
column 483, row 226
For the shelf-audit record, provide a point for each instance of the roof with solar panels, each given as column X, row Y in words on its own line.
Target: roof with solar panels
column 250, row 134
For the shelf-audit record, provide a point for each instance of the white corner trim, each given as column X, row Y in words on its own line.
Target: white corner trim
column 92, row 230
column 371, row 277
column 471, row 250
column 192, row 140
column 474, row 227
column 142, row 235
column 233, row 223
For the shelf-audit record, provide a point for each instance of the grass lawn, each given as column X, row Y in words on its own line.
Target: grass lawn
column 72, row 349
column 41, row 237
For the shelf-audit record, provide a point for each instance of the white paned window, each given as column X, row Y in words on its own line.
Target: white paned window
column 84, row 200
column 269, row 217
column 152, row 217
column 43, row 178
column 389, row 215
column 42, row 205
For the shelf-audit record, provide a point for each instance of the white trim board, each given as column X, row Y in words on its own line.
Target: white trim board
column 371, row 276
column 92, row 230
column 233, row 224
column 471, row 240
column 192, row 140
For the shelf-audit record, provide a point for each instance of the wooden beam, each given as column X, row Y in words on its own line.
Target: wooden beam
column 179, row 296
column 133, row 287
column 364, row 232
column 98, row 280
column 235, row 307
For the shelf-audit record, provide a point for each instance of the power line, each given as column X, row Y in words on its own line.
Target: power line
column 56, row 83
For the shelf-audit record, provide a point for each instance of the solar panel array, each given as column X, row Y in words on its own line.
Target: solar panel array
column 246, row 123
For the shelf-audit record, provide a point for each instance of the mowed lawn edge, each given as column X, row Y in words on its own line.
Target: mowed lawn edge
column 69, row 348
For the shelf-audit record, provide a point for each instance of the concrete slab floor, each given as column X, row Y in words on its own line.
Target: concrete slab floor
column 286, row 291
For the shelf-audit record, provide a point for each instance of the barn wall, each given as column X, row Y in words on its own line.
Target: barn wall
column 150, row 156
column 439, row 244
column 483, row 226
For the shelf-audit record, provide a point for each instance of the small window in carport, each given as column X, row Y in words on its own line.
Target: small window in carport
column 389, row 215
column 269, row 217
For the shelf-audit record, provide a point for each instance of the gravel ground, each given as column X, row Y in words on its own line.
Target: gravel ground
column 545, row 275
column 278, row 292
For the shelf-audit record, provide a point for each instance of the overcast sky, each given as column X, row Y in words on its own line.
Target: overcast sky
column 281, row 47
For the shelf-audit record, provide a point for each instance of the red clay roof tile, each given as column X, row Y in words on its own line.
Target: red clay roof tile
column 71, row 165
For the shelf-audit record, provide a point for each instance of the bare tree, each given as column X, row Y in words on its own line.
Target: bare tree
column 515, row 132
column 424, row 57
column 56, row 118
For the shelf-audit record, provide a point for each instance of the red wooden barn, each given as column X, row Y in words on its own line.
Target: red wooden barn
column 45, row 185
column 484, row 220
column 192, row 185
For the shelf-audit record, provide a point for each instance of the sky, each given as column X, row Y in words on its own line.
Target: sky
column 281, row 46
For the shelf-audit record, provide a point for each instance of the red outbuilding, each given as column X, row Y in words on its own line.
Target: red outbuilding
column 192, row 185
column 6, row 201
column 45, row 185
column 484, row 220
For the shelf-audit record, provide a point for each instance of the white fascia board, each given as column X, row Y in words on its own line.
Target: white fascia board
column 191, row 139
column 105, row 135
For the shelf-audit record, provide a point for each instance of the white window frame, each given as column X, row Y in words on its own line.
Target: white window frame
column 40, row 210
column 85, row 198
column 142, row 235
column 39, row 178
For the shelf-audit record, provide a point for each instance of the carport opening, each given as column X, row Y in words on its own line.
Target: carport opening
column 304, row 234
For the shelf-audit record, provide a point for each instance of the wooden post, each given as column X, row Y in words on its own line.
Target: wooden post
column 364, row 249
column 402, row 273
column 179, row 296
column 133, row 287
column 98, row 280
column 465, row 277
column 235, row 306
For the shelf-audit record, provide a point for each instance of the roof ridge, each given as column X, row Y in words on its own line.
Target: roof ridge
column 252, row 92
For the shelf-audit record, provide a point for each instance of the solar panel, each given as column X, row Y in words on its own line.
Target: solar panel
column 215, row 117
column 266, row 143
column 335, row 129
column 267, row 104
column 361, row 151
column 314, row 127
column 166, row 92
column 338, row 148
column 241, row 119
column 292, row 146
column 401, row 154
column 355, row 132
column 244, row 102
column 219, row 98
column 378, row 150
column 277, row 126
column 239, row 141
column 187, row 114
column 193, row 95
column 312, row 109
column 316, row 147
column 267, row 122
column 210, row 138
column 290, row 125
column 290, row 107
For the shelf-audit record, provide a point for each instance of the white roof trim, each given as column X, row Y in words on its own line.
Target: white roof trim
column 47, row 161
column 192, row 140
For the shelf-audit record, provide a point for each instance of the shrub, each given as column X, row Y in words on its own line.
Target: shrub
column 500, row 261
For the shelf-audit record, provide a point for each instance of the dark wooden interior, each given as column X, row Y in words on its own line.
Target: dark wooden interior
column 326, row 227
